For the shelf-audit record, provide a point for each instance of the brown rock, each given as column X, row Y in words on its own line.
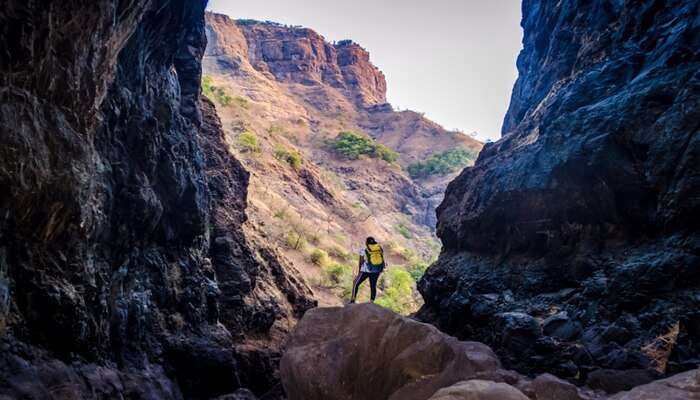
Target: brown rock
column 479, row 390
column 367, row 352
column 549, row 387
column 685, row 386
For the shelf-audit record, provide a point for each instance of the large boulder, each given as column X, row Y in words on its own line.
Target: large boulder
column 479, row 390
column 685, row 386
column 367, row 352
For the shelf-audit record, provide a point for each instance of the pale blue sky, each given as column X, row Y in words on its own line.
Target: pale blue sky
column 452, row 59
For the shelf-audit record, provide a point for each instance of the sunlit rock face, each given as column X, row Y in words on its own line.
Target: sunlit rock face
column 303, row 56
column 573, row 243
column 111, row 200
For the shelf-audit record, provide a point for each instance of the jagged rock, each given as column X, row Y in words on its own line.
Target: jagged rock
column 367, row 352
column 561, row 326
column 300, row 55
column 517, row 331
column 479, row 390
column 589, row 204
column 109, row 286
column 613, row 381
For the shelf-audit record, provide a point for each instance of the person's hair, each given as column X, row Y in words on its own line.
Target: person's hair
column 370, row 240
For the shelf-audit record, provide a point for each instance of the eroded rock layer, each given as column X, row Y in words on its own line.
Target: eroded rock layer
column 123, row 272
column 573, row 243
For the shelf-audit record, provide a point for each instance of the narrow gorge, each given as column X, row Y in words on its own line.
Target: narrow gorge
column 183, row 195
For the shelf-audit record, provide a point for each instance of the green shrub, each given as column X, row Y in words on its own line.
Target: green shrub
column 280, row 214
column 291, row 157
column 397, row 290
column 417, row 269
column 248, row 142
column 247, row 21
column 241, row 102
column 404, row 231
column 339, row 252
column 215, row 93
column 319, row 257
column 339, row 276
column 275, row 129
column 355, row 145
column 295, row 241
column 442, row 163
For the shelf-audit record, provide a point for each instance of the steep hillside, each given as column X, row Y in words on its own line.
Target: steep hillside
column 284, row 96
column 572, row 245
column 124, row 268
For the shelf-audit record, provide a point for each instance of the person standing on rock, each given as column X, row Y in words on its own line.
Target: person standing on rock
column 370, row 266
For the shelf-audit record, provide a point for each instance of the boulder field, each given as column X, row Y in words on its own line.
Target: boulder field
column 365, row 352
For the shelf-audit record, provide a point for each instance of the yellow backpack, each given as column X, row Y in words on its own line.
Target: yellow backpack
column 375, row 257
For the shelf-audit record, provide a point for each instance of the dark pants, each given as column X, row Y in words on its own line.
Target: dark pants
column 373, row 278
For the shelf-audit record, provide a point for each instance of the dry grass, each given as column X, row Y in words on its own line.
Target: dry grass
column 659, row 349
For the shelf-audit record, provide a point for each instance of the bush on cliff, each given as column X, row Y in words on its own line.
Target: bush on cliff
column 248, row 142
column 442, row 163
column 355, row 145
column 339, row 276
column 215, row 93
column 397, row 290
column 291, row 157
column 319, row 257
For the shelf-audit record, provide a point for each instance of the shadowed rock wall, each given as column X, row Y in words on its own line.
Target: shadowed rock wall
column 108, row 283
column 573, row 242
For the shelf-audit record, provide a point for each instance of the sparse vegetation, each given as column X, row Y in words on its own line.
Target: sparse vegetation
column 274, row 129
column 659, row 350
column 397, row 291
column 339, row 252
column 247, row 21
column 295, row 241
column 355, row 145
column 334, row 179
column 417, row 269
column 403, row 230
column 319, row 257
column 442, row 163
column 215, row 93
column 241, row 102
column 280, row 214
column 291, row 157
column 339, row 276
column 248, row 142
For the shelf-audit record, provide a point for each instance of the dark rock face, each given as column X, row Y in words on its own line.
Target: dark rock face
column 585, row 215
column 109, row 284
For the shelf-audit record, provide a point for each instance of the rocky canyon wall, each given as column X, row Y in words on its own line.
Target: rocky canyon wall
column 124, row 270
column 573, row 245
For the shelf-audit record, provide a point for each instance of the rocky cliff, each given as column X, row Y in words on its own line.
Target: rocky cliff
column 573, row 243
column 303, row 56
column 124, row 271
column 291, row 92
